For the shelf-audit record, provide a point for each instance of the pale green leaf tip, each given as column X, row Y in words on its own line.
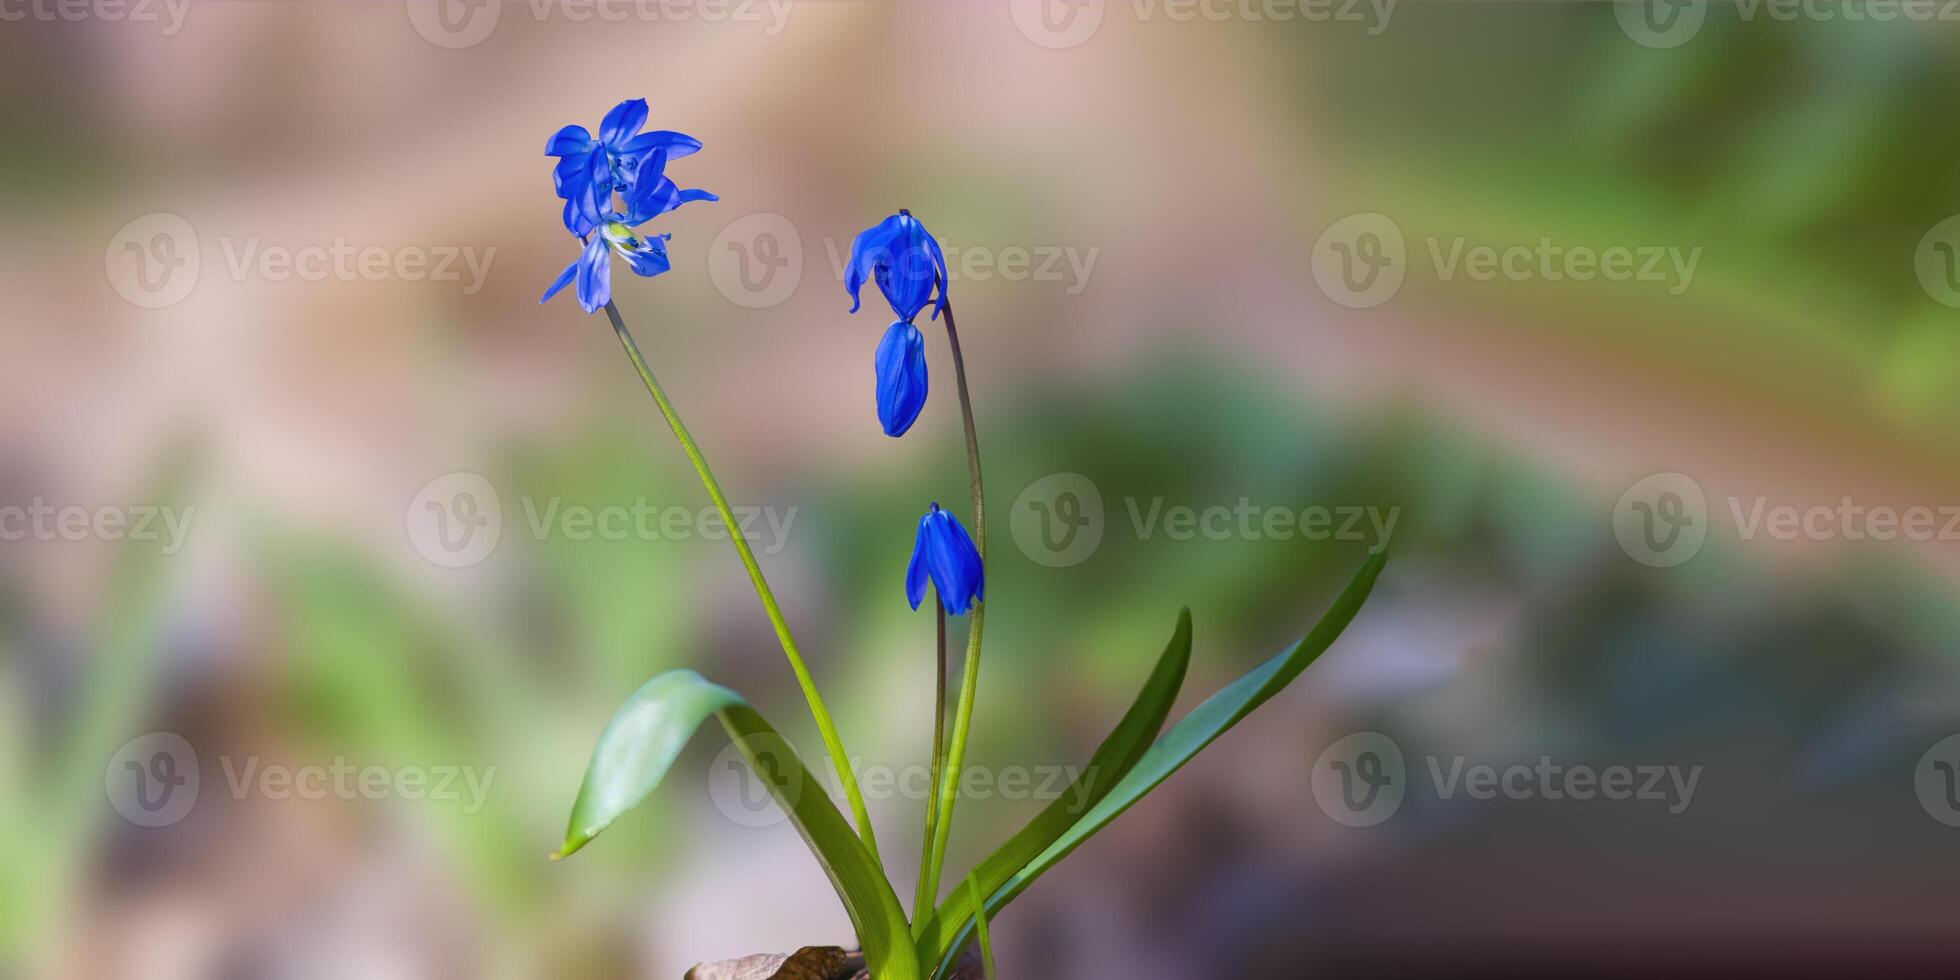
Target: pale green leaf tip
column 575, row 841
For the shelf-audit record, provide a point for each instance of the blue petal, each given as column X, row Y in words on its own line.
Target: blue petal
column 900, row 367
column 583, row 212
column 865, row 251
column 652, row 192
column 973, row 583
column 915, row 571
column 622, row 122
column 571, row 175
column 677, row 145
column 911, row 268
column 939, row 267
column 595, row 275
column 650, row 167
column 564, row 279
column 568, row 141
column 657, row 197
column 650, row 259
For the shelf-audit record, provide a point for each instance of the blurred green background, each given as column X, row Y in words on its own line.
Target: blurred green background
column 1179, row 176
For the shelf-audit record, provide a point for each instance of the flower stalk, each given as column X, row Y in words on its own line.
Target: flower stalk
column 922, row 900
column 840, row 760
column 949, row 776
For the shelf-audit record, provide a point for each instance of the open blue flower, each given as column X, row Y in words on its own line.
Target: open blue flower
column 947, row 556
column 646, row 256
column 607, row 232
column 612, row 160
column 904, row 260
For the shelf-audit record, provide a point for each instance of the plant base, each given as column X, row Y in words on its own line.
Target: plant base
column 809, row 963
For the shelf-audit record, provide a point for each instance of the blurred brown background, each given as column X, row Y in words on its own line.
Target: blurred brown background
column 270, row 276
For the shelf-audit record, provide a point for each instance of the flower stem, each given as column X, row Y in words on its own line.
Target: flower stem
column 922, row 899
column 839, row 759
column 949, row 777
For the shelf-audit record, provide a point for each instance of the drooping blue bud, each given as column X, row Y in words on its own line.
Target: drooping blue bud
column 944, row 554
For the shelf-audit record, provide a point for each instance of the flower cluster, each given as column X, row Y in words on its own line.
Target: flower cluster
column 612, row 184
column 906, row 262
column 616, row 181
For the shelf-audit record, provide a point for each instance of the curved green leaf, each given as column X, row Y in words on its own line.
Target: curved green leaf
column 1121, row 750
column 640, row 744
column 1186, row 739
column 980, row 924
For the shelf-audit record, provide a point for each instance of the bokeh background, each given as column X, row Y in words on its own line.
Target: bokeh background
column 1157, row 293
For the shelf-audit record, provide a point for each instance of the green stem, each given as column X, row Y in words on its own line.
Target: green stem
column 839, row 759
column 922, row 899
column 949, row 778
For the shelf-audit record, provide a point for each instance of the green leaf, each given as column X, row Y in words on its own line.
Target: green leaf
column 1112, row 759
column 980, row 923
column 1186, row 739
column 640, row 744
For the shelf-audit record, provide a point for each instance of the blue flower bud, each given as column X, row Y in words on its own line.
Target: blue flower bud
column 901, row 370
column 944, row 554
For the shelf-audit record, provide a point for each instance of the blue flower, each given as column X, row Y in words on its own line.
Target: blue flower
column 904, row 260
column 906, row 263
column 612, row 160
column 607, row 231
column 593, row 268
column 944, row 553
column 901, row 367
